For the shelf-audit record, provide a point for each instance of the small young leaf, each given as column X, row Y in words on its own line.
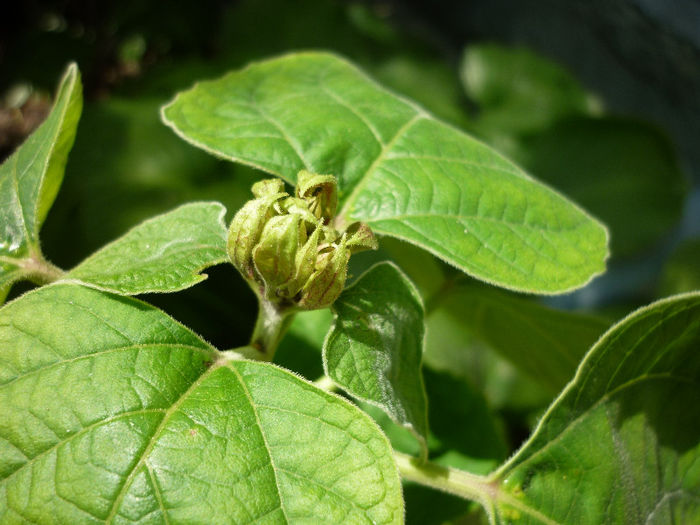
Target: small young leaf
column 621, row 443
column 375, row 346
column 401, row 171
column 30, row 179
column 163, row 254
column 112, row 412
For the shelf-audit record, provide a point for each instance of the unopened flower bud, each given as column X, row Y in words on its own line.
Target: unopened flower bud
column 305, row 262
column 360, row 238
column 298, row 207
column 245, row 230
column 275, row 253
column 328, row 280
column 286, row 247
column 321, row 192
column 268, row 187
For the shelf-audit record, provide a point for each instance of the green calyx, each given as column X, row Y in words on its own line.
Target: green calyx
column 287, row 248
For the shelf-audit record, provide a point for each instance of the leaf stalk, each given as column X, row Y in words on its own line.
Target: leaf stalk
column 447, row 479
column 35, row 268
column 270, row 327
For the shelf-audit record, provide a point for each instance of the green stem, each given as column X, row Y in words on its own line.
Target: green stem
column 270, row 326
column 450, row 480
column 35, row 268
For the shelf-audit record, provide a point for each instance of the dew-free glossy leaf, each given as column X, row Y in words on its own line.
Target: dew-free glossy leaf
column 163, row 254
column 111, row 412
column 31, row 176
column 144, row 170
column 400, row 170
column 621, row 444
column 375, row 346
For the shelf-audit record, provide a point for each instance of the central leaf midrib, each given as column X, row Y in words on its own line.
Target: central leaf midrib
column 156, row 434
column 262, row 435
column 350, row 201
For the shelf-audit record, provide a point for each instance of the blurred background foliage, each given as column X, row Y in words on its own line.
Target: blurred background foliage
column 598, row 99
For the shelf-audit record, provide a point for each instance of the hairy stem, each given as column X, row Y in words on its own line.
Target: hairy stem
column 450, row 480
column 35, row 268
column 270, row 326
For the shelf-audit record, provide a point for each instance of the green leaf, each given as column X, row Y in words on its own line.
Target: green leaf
column 163, row 254
column 621, row 443
column 112, row 412
column 401, row 171
column 432, row 83
column 464, row 431
column 30, row 179
column 375, row 346
column 545, row 343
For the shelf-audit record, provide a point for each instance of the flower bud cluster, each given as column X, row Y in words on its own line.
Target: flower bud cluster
column 286, row 246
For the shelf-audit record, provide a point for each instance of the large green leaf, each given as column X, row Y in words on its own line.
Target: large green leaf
column 621, row 443
column 30, row 179
column 163, row 254
column 375, row 346
column 400, row 170
column 112, row 412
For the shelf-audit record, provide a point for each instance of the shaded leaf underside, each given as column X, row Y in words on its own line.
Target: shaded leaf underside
column 374, row 348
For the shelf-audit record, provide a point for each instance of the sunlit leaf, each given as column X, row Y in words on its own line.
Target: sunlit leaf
column 163, row 254
column 401, row 171
column 111, row 412
column 30, row 179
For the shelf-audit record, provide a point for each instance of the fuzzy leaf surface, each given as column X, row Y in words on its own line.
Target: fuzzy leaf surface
column 400, row 170
column 375, row 346
column 621, row 444
column 30, row 179
column 163, row 254
column 112, row 412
